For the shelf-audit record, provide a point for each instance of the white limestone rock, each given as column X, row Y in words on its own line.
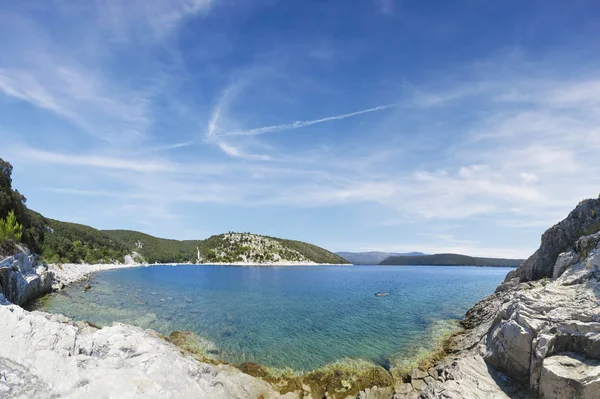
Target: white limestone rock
column 23, row 279
column 523, row 330
column 570, row 376
column 61, row 359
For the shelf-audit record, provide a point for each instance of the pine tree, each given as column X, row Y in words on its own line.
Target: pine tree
column 10, row 229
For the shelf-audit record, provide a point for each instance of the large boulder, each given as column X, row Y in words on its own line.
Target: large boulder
column 570, row 376
column 22, row 279
column 509, row 349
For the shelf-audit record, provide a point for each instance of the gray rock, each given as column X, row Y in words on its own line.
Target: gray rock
column 376, row 393
column 570, row 376
column 417, row 374
column 564, row 261
column 429, row 380
column 418, row 384
column 433, row 373
column 49, row 356
column 404, row 388
column 509, row 349
column 582, row 221
column 514, row 340
column 22, row 279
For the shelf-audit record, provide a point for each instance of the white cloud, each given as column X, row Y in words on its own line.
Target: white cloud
column 139, row 19
column 91, row 160
column 238, row 153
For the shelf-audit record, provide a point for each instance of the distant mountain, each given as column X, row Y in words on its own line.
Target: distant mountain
column 372, row 258
column 450, row 260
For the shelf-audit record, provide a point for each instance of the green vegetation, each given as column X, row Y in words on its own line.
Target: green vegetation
column 10, row 229
column 312, row 252
column 246, row 247
column 157, row 250
column 450, row 260
column 74, row 243
column 11, row 201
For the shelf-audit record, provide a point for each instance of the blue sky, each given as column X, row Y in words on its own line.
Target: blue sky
column 437, row 126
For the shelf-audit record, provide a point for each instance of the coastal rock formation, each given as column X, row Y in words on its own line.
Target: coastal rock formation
column 537, row 338
column 22, row 278
column 48, row 356
column 133, row 258
column 582, row 221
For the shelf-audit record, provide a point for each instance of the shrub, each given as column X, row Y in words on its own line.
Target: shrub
column 10, row 229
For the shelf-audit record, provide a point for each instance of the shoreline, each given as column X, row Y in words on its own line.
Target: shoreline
column 70, row 273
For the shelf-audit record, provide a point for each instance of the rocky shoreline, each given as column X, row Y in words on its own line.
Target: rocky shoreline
column 538, row 335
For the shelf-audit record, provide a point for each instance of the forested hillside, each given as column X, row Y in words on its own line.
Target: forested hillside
column 373, row 257
column 74, row 243
column 155, row 249
column 450, row 260
column 312, row 252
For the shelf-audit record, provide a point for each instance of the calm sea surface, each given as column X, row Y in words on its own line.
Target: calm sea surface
column 296, row 317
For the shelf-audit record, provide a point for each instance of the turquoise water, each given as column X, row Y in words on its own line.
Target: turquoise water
column 287, row 317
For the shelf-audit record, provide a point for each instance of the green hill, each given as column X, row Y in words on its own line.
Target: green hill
column 157, row 250
column 313, row 252
column 450, row 260
column 75, row 243
column 253, row 248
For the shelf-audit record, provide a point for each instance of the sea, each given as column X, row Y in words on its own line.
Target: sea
column 298, row 318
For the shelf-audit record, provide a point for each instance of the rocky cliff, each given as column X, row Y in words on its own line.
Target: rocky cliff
column 538, row 335
column 582, row 221
column 22, row 278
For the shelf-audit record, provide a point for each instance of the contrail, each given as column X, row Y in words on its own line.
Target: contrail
column 172, row 146
column 299, row 124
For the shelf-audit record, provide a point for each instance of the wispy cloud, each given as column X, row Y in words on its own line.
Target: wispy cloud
column 139, row 19
column 301, row 124
column 52, row 69
column 92, row 160
column 238, row 153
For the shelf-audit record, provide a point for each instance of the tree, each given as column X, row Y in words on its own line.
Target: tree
column 32, row 224
column 10, row 229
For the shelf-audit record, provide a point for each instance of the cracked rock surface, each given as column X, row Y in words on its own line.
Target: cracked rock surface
column 535, row 338
column 49, row 356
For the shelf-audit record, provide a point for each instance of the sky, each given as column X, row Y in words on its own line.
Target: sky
column 463, row 126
